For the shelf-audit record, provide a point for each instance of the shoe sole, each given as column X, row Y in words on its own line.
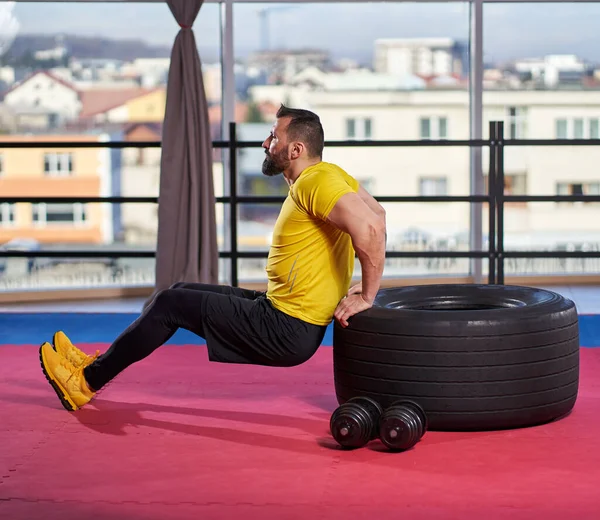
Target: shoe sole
column 60, row 391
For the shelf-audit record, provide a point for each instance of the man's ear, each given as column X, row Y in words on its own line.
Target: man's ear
column 296, row 150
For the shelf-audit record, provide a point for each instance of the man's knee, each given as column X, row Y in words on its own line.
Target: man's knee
column 164, row 298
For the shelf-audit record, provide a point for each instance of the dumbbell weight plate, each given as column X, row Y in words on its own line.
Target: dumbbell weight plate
column 351, row 426
column 356, row 422
column 374, row 410
column 399, row 429
column 418, row 409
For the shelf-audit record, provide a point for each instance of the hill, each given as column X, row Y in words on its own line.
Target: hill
column 83, row 47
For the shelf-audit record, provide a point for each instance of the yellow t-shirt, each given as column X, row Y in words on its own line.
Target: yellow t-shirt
column 311, row 262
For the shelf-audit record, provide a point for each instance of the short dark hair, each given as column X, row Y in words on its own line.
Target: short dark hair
column 304, row 126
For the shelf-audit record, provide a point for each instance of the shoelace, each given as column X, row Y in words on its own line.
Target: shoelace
column 77, row 357
column 69, row 366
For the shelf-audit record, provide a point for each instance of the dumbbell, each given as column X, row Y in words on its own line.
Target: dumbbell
column 402, row 425
column 356, row 422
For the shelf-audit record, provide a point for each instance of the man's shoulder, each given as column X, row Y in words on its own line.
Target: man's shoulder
column 322, row 172
column 324, row 168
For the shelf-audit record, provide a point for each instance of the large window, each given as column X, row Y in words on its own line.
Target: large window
column 84, row 72
column 540, row 79
column 372, row 71
column 91, row 72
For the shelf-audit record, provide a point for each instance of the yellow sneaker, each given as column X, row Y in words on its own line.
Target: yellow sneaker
column 62, row 344
column 68, row 381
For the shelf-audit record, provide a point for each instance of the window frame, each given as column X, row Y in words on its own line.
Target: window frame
column 80, row 215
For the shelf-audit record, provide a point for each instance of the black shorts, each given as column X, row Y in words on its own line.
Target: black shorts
column 242, row 326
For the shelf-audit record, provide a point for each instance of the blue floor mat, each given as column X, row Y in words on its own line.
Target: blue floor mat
column 35, row 328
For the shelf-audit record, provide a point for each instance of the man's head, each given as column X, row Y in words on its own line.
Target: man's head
column 296, row 135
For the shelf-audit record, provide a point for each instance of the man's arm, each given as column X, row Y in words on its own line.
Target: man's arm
column 371, row 202
column 366, row 228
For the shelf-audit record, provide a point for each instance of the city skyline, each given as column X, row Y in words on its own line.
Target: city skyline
column 511, row 31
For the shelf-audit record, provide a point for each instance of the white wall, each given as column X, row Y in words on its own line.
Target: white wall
column 44, row 91
column 396, row 171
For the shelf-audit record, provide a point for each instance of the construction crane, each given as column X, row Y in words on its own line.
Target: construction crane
column 265, row 30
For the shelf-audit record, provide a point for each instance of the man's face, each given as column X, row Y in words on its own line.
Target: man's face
column 276, row 151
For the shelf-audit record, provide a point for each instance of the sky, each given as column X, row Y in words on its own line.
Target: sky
column 510, row 30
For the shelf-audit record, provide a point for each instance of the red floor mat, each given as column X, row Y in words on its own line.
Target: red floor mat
column 178, row 437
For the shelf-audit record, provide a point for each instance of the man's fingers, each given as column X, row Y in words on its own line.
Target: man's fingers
column 348, row 307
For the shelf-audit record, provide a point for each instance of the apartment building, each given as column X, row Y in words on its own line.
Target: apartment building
column 425, row 114
column 421, row 56
column 60, row 172
column 438, row 114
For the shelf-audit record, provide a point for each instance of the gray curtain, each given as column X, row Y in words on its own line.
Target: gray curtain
column 187, row 239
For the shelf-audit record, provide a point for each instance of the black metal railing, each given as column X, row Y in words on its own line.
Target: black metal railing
column 498, row 199
column 495, row 198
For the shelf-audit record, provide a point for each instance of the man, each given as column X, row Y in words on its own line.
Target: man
column 326, row 217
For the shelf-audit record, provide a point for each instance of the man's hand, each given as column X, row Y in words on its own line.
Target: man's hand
column 356, row 289
column 350, row 306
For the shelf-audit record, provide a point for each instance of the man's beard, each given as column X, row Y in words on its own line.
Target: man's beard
column 274, row 165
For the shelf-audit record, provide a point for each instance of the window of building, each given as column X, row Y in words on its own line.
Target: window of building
column 434, row 128
column 578, row 188
column 7, row 214
column 562, row 131
column 517, row 122
column 425, row 128
column 515, row 184
column 367, row 125
column 433, row 186
column 59, row 213
column 350, row 128
column 443, row 128
column 359, row 128
column 58, row 164
column 578, row 128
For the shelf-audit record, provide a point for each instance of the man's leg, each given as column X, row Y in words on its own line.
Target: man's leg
column 237, row 330
column 170, row 310
column 63, row 345
column 178, row 307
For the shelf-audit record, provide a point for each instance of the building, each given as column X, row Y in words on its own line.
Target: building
column 49, row 172
column 140, row 178
column 43, row 92
column 425, row 57
column 281, row 66
column 118, row 106
column 437, row 114
column 552, row 70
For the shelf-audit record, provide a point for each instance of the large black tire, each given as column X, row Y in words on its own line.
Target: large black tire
column 475, row 357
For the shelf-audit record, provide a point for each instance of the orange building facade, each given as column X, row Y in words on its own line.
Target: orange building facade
column 55, row 172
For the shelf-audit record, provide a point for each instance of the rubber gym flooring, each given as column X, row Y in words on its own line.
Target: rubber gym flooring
column 178, row 437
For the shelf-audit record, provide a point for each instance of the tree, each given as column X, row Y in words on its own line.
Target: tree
column 254, row 114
